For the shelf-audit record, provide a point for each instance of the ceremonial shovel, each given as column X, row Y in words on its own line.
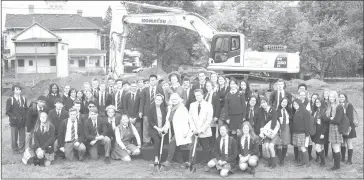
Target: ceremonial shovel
column 160, row 152
column 193, row 155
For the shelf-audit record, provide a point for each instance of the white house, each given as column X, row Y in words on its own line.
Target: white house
column 38, row 50
column 82, row 34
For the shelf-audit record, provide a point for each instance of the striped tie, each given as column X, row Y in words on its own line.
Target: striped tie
column 73, row 132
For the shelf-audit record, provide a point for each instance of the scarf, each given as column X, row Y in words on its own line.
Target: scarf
column 173, row 111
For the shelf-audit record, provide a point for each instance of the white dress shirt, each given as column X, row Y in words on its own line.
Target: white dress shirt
column 69, row 130
column 226, row 139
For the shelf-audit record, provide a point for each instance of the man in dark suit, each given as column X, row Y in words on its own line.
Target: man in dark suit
column 147, row 99
column 118, row 96
column 276, row 96
column 187, row 93
column 110, row 86
column 104, row 99
column 131, row 103
column 96, row 133
column 56, row 116
column 200, row 85
column 95, row 86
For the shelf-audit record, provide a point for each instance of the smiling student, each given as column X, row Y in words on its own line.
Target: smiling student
column 321, row 127
column 248, row 149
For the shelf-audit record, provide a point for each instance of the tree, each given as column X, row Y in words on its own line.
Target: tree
column 105, row 41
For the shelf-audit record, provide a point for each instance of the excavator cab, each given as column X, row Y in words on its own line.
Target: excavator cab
column 227, row 48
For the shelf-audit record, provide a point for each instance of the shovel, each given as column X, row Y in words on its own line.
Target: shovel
column 193, row 154
column 160, row 152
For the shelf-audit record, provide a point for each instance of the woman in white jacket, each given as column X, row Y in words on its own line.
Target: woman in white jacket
column 177, row 126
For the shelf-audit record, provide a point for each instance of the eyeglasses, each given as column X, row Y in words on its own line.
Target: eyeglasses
column 91, row 106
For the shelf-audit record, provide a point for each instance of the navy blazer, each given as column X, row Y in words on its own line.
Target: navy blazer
column 274, row 98
column 89, row 127
column 16, row 112
column 131, row 108
column 62, row 132
column 55, row 120
column 216, row 105
column 153, row 120
column 145, row 103
column 253, row 147
column 232, row 151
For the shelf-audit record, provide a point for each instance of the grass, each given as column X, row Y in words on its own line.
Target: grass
column 138, row 168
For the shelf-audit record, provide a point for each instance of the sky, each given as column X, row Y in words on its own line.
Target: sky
column 91, row 8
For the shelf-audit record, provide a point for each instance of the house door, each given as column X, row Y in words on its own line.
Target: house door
column 81, row 63
column 13, row 64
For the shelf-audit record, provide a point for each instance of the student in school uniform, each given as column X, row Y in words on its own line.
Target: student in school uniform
column 335, row 112
column 313, row 98
column 32, row 116
column 140, row 85
column 285, row 119
column 222, row 91
column 213, row 98
column 56, row 116
column 104, row 99
column 66, row 91
column 300, row 131
column 270, row 131
column 72, row 96
column 16, row 109
column 53, row 95
column 44, row 96
column 95, row 134
column 131, row 104
column 157, row 119
column 253, row 117
column 118, row 96
column 245, row 90
column 44, row 137
column 200, row 84
column 124, row 133
column 71, row 136
column 248, row 149
column 89, row 99
column 350, row 112
column 113, row 120
column 235, row 108
column 95, row 87
column 175, row 86
column 110, row 86
column 214, row 80
column 277, row 96
column 225, row 153
column 320, row 137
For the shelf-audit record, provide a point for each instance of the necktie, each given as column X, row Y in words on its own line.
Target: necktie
column 250, row 114
column 58, row 113
column 132, row 98
column 73, row 136
column 279, row 98
column 284, row 120
column 246, row 143
column 102, row 99
column 95, row 128
column 152, row 96
column 223, row 146
column 119, row 100
column 331, row 112
column 199, row 108
column 185, row 94
column 42, row 129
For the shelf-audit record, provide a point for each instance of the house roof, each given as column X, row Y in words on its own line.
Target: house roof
column 35, row 23
column 51, row 21
column 96, row 20
column 86, row 51
column 38, row 40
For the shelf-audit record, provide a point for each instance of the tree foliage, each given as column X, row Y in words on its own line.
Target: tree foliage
column 105, row 41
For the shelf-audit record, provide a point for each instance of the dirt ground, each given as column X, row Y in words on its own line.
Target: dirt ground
column 138, row 168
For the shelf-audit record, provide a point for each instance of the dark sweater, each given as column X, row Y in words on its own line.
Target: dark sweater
column 16, row 112
column 235, row 104
column 253, row 147
column 44, row 140
column 301, row 122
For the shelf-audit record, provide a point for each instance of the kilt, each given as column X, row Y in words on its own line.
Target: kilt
column 299, row 139
column 284, row 137
column 334, row 135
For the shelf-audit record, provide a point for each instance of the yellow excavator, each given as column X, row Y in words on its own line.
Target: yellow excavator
column 228, row 51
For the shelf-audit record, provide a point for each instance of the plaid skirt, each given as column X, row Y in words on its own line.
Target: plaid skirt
column 299, row 139
column 334, row 135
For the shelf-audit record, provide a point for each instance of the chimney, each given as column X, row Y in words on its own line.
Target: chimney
column 79, row 12
column 31, row 9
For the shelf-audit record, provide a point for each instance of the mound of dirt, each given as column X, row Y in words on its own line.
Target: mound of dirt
column 147, row 72
column 312, row 83
column 316, row 83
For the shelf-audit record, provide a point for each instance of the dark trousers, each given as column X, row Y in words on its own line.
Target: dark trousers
column 173, row 149
column 15, row 133
column 157, row 144
column 204, row 142
column 212, row 140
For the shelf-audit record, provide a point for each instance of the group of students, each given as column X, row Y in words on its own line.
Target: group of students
column 231, row 123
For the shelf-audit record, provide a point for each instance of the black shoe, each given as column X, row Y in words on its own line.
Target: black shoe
column 107, row 160
column 252, row 171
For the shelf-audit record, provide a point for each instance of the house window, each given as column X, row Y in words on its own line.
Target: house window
column 97, row 63
column 72, row 61
column 20, row 62
column 53, row 62
column 52, row 44
column 30, row 62
column 43, row 44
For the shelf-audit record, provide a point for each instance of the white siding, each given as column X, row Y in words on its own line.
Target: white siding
column 80, row 38
column 35, row 32
column 62, row 60
column 42, row 65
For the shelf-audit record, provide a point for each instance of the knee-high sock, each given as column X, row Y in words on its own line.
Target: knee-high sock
column 309, row 152
column 350, row 155
column 295, row 149
column 343, row 152
column 284, row 152
column 326, row 147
